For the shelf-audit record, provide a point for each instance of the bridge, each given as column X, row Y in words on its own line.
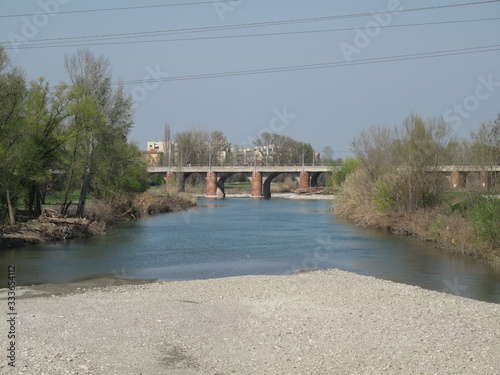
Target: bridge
column 307, row 175
column 260, row 176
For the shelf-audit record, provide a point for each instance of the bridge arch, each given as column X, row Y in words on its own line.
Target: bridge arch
column 221, row 180
column 315, row 176
column 268, row 178
column 185, row 177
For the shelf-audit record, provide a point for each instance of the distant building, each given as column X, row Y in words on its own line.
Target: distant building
column 164, row 148
column 158, row 146
column 153, row 157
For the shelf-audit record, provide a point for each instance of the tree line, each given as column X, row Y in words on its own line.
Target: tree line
column 73, row 136
column 395, row 179
column 198, row 146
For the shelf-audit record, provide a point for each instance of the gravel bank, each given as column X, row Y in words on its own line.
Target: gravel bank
column 324, row 322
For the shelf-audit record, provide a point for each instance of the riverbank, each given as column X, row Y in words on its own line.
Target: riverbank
column 323, row 322
column 447, row 230
column 51, row 226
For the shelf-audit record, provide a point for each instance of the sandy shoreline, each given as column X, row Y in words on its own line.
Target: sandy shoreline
column 323, row 322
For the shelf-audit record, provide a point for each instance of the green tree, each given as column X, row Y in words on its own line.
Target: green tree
column 12, row 105
column 122, row 174
column 101, row 119
column 44, row 139
column 350, row 165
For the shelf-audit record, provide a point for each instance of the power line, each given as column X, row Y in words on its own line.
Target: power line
column 99, row 42
column 406, row 57
column 123, row 8
column 258, row 24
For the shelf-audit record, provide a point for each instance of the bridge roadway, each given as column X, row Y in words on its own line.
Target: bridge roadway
column 307, row 175
column 260, row 176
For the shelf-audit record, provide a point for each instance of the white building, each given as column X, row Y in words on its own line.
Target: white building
column 158, row 146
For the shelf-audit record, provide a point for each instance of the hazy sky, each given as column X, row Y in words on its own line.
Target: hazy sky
column 321, row 106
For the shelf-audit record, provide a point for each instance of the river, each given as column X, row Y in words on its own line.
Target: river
column 241, row 236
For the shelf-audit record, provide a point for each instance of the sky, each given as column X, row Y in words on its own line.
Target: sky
column 173, row 56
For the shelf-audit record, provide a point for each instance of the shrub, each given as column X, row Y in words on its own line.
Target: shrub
column 349, row 166
column 486, row 216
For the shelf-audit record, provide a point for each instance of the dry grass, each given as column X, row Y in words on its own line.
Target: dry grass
column 195, row 189
column 446, row 229
column 150, row 202
column 285, row 186
column 163, row 201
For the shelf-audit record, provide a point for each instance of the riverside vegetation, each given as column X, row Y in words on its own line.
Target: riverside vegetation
column 71, row 137
column 392, row 184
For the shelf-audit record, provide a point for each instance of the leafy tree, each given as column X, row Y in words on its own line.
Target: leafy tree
column 349, row 166
column 101, row 119
column 12, row 105
column 122, row 174
column 44, row 140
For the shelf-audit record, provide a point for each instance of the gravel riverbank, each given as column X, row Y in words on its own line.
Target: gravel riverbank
column 323, row 322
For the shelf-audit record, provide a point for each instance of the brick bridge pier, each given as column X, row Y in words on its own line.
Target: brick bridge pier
column 260, row 177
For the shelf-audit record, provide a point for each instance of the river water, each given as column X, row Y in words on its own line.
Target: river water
column 241, row 236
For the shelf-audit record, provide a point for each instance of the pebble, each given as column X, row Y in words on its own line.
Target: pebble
column 323, row 322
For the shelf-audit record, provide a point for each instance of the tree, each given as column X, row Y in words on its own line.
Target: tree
column 371, row 148
column 327, row 154
column 101, row 119
column 402, row 163
column 122, row 174
column 219, row 147
column 167, row 141
column 199, row 146
column 485, row 147
column 281, row 150
column 350, row 165
column 12, row 105
column 44, row 139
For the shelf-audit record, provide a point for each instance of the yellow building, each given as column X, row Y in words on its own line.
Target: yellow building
column 153, row 157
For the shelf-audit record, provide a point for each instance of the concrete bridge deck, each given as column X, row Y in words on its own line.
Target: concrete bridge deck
column 307, row 175
column 239, row 169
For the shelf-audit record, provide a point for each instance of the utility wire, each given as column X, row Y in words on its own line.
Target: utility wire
column 123, row 8
column 336, row 64
column 98, row 41
column 406, row 57
column 262, row 24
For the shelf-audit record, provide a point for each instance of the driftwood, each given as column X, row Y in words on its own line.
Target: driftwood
column 50, row 226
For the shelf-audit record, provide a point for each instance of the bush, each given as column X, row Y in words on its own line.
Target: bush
column 384, row 196
column 486, row 216
column 349, row 166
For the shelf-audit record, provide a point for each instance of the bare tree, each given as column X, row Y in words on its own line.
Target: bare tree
column 327, row 154
column 402, row 163
column 167, row 142
column 372, row 148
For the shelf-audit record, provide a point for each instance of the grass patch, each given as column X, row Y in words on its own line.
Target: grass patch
column 237, row 185
column 57, row 197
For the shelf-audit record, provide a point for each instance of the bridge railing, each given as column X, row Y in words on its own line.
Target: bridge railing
column 240, row 165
